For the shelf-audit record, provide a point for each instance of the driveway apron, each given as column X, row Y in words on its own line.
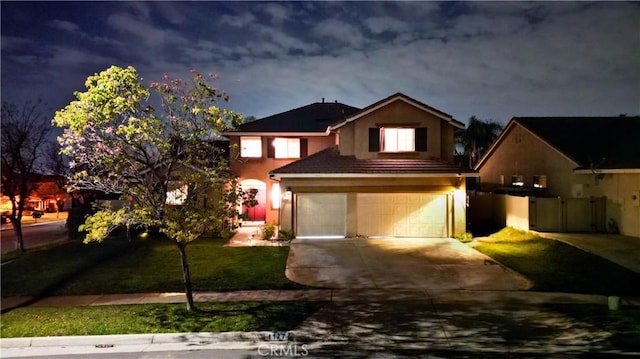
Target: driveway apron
column 409, row 263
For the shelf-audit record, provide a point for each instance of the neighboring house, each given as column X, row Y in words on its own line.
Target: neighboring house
column 572, row 158
column 260, row 146
column 389, row 173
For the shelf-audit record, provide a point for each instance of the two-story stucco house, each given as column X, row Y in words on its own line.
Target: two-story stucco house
column 571, row 157
column 260, row 146
column 385, row 170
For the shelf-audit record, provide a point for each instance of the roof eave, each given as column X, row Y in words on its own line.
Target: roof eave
column 278, row 134
column 586, row 171
column 366, row 111
column 276, row 175
column 503, row 134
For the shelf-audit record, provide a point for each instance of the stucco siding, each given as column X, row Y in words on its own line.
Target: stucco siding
column 620, row 190
column 259, row 168
column 398, row 112
column 521, row 153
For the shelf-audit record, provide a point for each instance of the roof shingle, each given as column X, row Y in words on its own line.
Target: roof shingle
column 598, row 142
column 316, row 117
column 329, row 161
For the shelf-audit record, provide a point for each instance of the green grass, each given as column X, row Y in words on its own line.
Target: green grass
column 118, row 266
column 554, row 266
column 155, row 318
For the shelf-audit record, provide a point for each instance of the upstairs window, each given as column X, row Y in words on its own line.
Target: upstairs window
column 398, row 139
column 250, row 147
column 286, row 147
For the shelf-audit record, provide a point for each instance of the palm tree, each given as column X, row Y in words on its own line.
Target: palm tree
column 476, row 138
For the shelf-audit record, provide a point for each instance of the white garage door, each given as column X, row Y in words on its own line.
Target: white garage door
column 402, row 214
column 321, row 215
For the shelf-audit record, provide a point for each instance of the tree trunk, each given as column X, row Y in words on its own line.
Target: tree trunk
column 186, row 276
column 17, row 230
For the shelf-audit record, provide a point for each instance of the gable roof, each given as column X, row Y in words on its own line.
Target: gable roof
column 313, row 118
column 329, row 163
column 590, row 142
column 399, row 97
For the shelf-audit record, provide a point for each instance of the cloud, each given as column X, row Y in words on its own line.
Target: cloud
column 340, row 32
column 277, row 12
column 238, row 21
column 144, row 31
column 382, row 24
column 67, row 26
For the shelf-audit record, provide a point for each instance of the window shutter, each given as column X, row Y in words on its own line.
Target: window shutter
column 421, row 139
column 374, row 140
column 304, row 151
column 271, row 150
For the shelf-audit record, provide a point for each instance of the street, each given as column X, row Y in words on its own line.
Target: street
column 48, row 229
column 390, row 329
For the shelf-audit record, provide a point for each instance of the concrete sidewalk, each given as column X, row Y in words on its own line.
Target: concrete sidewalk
column 619, row 249
column 329, row 295
column 452, row 323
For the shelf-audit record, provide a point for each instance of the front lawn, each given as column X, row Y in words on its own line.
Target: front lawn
column 156, row 318
column 153, row 265
column 554, row 266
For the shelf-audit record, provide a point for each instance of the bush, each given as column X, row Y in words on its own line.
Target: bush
column 286, row 235
column 465, row 237
column 268, row 231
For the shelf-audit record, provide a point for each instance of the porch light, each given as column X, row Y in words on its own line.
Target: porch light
column 276, row 196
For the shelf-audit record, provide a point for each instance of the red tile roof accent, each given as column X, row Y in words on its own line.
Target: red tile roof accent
column 330, row 161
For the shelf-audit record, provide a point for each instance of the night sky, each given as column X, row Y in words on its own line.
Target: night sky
column 492, row 60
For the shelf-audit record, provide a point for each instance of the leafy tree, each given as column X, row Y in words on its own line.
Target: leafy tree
column 163, row 162
column 477, row 137
column 24, row 140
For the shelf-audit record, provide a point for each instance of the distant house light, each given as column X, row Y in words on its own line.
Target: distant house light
column 517, row 180
column 177, row 196
column 540, row 181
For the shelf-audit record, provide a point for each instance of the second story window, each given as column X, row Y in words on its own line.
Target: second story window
column 250, row 147
column 286, row 147
column 397, row 139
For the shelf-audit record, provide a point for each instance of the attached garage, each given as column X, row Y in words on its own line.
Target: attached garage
column 321, row 215
column 402, row 214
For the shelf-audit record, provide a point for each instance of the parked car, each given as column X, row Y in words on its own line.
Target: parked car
column 4, row 216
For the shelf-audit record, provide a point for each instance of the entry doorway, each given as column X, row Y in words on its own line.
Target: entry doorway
column 259, row 212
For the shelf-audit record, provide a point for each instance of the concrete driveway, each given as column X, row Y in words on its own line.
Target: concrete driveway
column 408, row 263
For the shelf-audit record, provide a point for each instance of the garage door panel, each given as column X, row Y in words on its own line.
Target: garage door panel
column 402, row 214
column 321, row 214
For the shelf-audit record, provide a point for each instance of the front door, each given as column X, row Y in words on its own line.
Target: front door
column 259, row 211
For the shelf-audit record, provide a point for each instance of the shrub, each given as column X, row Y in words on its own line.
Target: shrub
column 465, row 237
column 268, row 231
column 286, row 235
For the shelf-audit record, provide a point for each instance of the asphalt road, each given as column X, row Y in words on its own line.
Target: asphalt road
column 34, row 234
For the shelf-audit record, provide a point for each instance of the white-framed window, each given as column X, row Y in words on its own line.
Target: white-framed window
column 517, row 180
column 250, row 147
column 287, row 147
column 540, row 181
column 398, row 139
column 276, row 196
